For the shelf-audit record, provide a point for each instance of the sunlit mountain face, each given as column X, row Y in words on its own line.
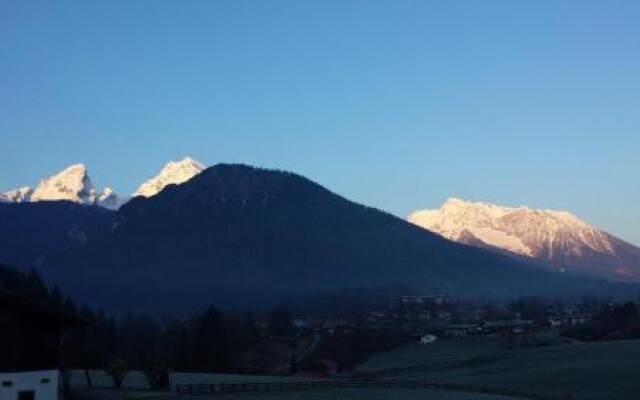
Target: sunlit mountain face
column 71, row 184
column 558, row 239
column 74, row 184
column 173, row 173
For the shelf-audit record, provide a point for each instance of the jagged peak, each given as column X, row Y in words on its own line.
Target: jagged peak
column 70, row 184
column 454, row 206
column 77, row 166
column 18, row 195
column 76, row 171
column 74, row 184
column 521, row 230
column 189, row 160
column 106, row 192
column 456, row 202
column 174, row 172
column 73, row 171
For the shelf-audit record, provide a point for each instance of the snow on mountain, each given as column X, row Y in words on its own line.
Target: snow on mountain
column 558, row 239
column 108, row 199
column 17, row 195
column 70, row 184
column 73, row 184
column 175, row 172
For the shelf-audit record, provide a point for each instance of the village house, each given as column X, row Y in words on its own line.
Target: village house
column 508, row 326
column 428, row 339
column 461, row 330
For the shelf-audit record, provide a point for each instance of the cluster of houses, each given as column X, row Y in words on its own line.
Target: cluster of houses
column 568, row 316
column 441, row 318
column 513, row 326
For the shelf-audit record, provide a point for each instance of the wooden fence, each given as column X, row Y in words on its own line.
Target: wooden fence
column 219, row 388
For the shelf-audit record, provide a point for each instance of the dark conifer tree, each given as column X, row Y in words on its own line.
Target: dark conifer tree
column 210, row 346
column 56, row 297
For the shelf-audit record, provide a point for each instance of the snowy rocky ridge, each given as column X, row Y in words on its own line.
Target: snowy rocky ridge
column 175, row 172
column 73, row 184
column 556, row 237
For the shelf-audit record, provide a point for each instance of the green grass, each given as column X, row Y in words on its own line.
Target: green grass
column 133, row 379
column 360, row 394
column 137, row 380
column 560, row 368
column 178, row 378
column 602, row 370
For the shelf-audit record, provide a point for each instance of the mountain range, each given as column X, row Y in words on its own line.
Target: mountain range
column 557, row 240
column 74, row 184
column 241, row 236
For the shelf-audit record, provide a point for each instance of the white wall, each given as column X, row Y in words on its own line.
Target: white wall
column 32, row 380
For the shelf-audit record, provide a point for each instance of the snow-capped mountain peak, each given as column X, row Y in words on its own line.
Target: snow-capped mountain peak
column 109, row 199
column 17, row 195
column 174, row 172
column 457, row 218
column 554, row 237
column 71, row 184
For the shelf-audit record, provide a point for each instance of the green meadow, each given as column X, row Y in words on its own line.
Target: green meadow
column 549, row 365
column 363, row 394
column 543, row 364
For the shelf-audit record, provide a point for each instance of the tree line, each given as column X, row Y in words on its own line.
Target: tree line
column 204, row 341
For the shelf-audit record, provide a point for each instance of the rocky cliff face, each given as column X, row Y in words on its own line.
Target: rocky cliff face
column 557, row 238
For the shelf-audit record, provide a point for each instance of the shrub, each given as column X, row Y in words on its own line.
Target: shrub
column 117, row 370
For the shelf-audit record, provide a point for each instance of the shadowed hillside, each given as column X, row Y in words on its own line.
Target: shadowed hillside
column 242, row 236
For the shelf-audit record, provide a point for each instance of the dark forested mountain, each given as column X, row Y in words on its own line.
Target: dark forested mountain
column 32, row 232
column 239, row 236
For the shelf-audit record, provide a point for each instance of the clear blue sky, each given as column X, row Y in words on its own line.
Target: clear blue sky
column 397, row 104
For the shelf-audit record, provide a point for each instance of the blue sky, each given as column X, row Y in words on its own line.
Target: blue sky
column 397, row 104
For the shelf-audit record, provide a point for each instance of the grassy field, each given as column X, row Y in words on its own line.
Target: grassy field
column 100, row 379
column 602, row 370
column 180, row 378
column 321, row 394
column 137, row 380
column 549, row 365
column 362, row 394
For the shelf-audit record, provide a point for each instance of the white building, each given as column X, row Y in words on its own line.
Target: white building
column 428, row 339
column 30, row 385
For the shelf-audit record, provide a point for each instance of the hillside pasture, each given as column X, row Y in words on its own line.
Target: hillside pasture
column 561, row 368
